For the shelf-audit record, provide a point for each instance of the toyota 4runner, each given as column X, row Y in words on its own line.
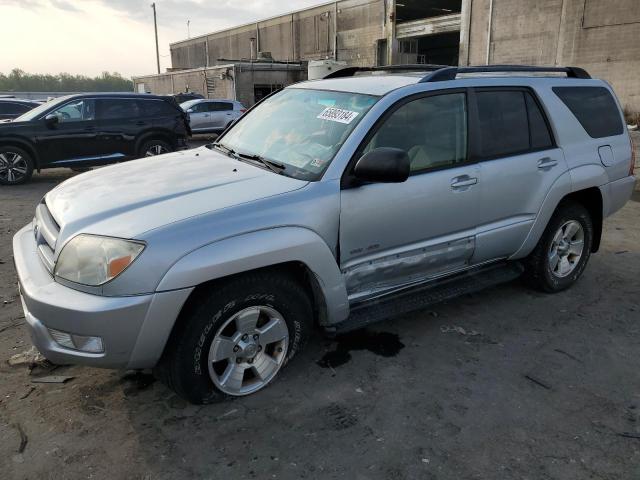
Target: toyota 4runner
column 335, row 203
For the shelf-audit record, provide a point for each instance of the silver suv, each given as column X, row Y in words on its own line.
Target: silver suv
column 335, row 203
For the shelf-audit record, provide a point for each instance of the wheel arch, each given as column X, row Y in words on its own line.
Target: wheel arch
column 24, row 145
column 588, row 195
column 296, row 250
column 163, row 135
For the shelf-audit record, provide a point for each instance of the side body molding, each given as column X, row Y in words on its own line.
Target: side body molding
column 259, row 249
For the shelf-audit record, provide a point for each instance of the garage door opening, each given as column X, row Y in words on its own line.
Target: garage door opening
column 409, row 10
column 440, row 49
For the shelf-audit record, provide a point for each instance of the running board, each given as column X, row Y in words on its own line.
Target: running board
column 425, row 295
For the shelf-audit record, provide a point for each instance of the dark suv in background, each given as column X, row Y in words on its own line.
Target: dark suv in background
column 87, row 130
column 11, row 108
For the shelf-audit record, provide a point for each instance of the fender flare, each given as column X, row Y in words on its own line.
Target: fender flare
column 259, row 249
column 572, row 181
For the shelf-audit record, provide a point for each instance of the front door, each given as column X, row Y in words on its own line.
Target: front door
column 73, row 138
column 394, row 235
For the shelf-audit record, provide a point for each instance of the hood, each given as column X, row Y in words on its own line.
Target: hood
column 128, row 199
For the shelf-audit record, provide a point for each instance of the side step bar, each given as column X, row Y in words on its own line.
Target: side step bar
column 425, row 295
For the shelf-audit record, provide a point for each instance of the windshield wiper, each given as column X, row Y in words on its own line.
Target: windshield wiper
column 270, row 164
column 223, row 149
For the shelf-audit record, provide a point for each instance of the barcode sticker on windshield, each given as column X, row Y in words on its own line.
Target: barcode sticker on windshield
column 337, row 115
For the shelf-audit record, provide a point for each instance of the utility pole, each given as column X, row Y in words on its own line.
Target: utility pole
column 155, row 26
column 188, row 29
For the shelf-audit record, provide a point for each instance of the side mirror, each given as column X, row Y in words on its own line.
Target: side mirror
column 51, row 120
column 383, row 165
column 190, row 110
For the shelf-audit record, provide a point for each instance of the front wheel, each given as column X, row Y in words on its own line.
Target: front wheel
column 16, row 166
column 563, row 250
column 237, row 337
column 151, row 148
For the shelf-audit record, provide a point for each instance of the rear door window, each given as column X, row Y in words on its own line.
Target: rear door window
column 503, row 122
column 510, row 123
column 540, row 136
column 595, row 109
column 117, row 108
column 220, row 106
column 156, row 108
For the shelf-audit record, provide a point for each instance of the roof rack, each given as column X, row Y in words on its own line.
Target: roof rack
column 450, row 73
column 418, row 67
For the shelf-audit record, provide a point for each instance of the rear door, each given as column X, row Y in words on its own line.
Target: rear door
column 221, row 114
column 120, row 122
column 396, row 234
column 519, row 164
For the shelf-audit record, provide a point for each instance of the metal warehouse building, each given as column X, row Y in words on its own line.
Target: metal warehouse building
column 599, row 35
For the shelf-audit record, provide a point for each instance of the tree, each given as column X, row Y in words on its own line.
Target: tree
column 19, row 81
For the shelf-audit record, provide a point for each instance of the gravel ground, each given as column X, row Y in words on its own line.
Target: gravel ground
column 507, row 383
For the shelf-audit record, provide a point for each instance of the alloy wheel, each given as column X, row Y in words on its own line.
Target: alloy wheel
column 248, row 350
column 13, row 167
column 566, row 249
column 154, row 150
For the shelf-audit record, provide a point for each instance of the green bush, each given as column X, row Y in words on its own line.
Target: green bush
column 20, row 81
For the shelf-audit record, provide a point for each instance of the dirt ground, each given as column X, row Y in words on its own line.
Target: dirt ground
column 504, row 384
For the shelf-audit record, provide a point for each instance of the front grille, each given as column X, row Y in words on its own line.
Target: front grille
column 46, row 231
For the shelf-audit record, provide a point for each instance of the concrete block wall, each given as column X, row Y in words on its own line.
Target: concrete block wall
column 599, row 35
column 303, row 35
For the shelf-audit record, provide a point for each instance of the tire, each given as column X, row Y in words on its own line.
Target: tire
column 156, row 145
column 16, row 166
column 540, row 272
column 217, row 314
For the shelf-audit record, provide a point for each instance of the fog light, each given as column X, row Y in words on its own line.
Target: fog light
column 77, row 342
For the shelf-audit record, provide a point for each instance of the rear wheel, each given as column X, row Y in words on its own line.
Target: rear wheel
column 151, row 148
column 563, row 251
column 16, row 166
column 237, row 338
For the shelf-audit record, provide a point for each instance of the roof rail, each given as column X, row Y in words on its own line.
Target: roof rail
column 417, row 67
column 450, row 73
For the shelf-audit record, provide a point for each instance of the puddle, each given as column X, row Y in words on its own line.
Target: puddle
column 136, row 382
column 384, row 344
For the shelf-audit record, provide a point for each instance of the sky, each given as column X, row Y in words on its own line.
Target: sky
column 91, row 36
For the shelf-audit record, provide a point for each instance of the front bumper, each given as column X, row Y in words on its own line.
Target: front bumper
column 119, row 321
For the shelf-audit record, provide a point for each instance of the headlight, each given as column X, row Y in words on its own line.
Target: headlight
column 93, row 260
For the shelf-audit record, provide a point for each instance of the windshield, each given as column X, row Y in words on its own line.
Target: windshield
column 300, row 129
column 36, row 112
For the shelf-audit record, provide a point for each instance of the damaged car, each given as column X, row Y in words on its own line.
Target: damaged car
column 333, row 203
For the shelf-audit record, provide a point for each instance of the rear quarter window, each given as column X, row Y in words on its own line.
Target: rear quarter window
column 594, row 108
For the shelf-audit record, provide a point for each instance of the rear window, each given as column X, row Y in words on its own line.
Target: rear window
column 595, row 109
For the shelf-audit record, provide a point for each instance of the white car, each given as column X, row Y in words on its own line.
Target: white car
column 212, row 115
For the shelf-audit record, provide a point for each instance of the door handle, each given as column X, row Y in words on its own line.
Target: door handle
column 207, row 115
column 463, row 181
column 546, row 163
column 140, row 123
